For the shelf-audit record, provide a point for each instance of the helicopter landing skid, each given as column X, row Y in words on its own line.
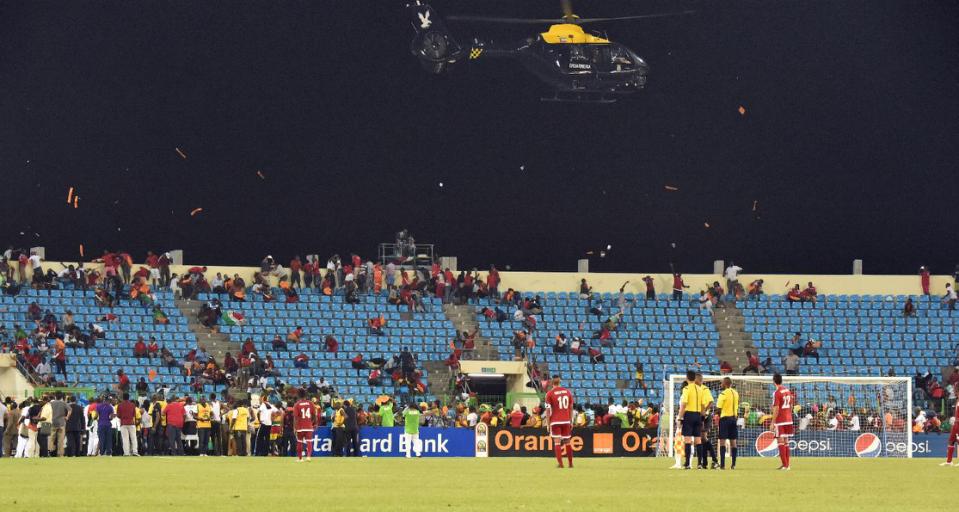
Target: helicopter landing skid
column 579, row 97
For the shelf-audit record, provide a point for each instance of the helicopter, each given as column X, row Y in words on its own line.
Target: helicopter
column 578, row 66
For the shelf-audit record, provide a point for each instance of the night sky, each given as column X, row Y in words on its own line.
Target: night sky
column 849, row 142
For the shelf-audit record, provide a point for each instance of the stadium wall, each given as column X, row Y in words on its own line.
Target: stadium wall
column 775, row 284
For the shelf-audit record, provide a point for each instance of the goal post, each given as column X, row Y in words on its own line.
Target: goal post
column 827, row 413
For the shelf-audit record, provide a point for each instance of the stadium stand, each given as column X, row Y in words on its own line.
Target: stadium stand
column 96, row 367
column 426, row 334
column 865, row 334
column 661, row 334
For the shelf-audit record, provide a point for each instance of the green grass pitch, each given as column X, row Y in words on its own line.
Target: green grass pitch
column 277, row 484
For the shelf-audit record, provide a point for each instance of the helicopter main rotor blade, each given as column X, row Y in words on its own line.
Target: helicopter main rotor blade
column 488, row 19
column 640, row 17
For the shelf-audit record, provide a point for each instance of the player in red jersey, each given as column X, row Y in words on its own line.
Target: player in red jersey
column 304, row 422
column 953, row 439
column 782, row 424
column 559, row 413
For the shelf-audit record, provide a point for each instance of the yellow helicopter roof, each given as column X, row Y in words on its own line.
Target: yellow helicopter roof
column 569, row 33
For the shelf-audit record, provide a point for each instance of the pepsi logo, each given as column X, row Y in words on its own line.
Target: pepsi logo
column 868, row 445
column 766, row 444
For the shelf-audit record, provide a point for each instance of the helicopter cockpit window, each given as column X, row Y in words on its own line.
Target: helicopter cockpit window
column 620, row 56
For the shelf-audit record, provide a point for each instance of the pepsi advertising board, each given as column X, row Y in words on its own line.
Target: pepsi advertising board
column 393, row 442
column 842, row 444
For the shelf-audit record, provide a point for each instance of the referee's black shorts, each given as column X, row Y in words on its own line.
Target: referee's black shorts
column 692, row 424
column 727, row 428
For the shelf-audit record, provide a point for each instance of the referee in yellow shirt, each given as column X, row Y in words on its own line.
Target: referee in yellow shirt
column 728, row 404
column 690, row 416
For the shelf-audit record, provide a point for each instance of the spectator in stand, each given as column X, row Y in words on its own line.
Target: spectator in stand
column 585, row 290
column 949, row 299
column 140, row 349
column 492, row 282
column 924, row 279
column 705, row 302
column 376, row 325
column 732, row 277
column 295, row 267
column 753, row 365
column 576, row 346
column 809, row 349
column 678, row 286
column 596, row 355
column 639, row 375
column 794, row 294
column 301, row 361
column 278, row 343
column 332, row 345
column 561, row 346
column 909, row 309
column 650, row 287
column 296, row 335
column 809, row 294
column 123, row 382
column 248, row 347
column 792, row 363
column 725, row 367
column 756, row 289
column 142, row 387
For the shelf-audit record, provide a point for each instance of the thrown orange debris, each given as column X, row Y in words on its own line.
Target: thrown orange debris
column 742, row 110
column 181, row 153
column 671, row 188
column 195, row 211
column 76, row 201
column 260, row 174
column 70, row 195
column 81, row 250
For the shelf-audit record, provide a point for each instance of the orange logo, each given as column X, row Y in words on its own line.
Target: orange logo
column 602, row 443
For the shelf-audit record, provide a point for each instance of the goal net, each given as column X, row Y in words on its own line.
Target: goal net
column 833, row 416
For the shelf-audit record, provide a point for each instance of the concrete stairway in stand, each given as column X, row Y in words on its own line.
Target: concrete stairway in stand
column 463, row 318
column 216, row 343
column 734, row 341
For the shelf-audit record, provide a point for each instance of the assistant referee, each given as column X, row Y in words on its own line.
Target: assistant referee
column 728, row 404
column 691, row 416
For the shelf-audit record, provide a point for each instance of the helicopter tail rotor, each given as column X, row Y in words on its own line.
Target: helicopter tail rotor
column 433, row 44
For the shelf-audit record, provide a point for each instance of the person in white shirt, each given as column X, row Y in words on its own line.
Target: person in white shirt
column 833, row 423
column 35, row 264
column 261, row 446
column 472, row 418
column 805, row 421
column 705, row 302
column 854, row 422
column 950, row 297
column 23, row 442
column 732, row 278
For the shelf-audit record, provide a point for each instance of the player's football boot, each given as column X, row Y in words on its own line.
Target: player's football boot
column 945, row 464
